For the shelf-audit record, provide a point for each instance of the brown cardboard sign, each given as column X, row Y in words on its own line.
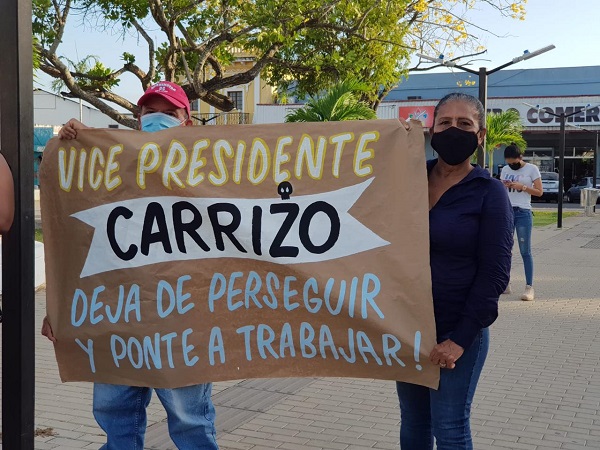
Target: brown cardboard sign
column 200, row 254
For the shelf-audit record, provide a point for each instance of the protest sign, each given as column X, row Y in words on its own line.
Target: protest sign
column 201, row 254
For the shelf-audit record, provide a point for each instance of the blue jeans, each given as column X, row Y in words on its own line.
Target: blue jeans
column 121, row 413
column 523, row 226
column 443, row 414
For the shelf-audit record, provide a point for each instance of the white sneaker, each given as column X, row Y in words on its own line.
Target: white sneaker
column 508, row 290
column 529, row 294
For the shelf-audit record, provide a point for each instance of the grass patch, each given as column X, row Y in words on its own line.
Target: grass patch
column 39, row 236
column 543, row 218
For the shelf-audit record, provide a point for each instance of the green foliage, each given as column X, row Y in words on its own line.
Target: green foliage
column 504, row 128
column 95, row 72
column 298, row 46
column 44, row 21
column 128, row 58
column 340, row 103
column 36, row 56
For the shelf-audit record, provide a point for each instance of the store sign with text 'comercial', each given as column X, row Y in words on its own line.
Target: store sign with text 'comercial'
column 584, row 111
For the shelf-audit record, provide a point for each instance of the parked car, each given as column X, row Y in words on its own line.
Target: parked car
column 573, row 195
column 550, row 185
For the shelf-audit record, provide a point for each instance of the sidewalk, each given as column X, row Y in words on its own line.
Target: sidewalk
column 540, row 388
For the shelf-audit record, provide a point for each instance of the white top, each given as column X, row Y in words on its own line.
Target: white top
column 525, row 175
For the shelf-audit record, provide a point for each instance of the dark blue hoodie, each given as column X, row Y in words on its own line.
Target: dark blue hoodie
column 471, row 240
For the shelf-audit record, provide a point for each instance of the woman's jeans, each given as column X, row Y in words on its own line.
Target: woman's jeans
column 523, row 226
column 121, row 413
column 443, row 414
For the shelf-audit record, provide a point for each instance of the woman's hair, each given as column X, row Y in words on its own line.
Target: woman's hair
column 461, row 97
column 512, row 151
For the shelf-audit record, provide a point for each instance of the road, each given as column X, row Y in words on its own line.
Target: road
column 554, row 206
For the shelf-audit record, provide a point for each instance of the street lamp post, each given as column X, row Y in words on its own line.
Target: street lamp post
column 483, row 73
column 562, row 117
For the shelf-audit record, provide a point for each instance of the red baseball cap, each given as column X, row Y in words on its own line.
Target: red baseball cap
column 171, row 92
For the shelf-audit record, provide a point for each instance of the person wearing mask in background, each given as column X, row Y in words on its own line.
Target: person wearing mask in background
column 522, row 180
column 7, row 196
column 7, row 201
column 121, row 410
column 471, row 239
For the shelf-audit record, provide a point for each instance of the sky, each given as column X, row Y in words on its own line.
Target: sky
column 571, row 26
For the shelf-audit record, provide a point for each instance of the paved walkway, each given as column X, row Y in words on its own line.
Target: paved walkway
column 540, row 387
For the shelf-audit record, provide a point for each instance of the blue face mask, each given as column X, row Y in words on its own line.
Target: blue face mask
column 158, row 121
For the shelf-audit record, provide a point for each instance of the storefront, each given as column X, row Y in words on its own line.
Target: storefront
column 534, row 93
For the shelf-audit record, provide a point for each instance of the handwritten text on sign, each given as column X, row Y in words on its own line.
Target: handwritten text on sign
column 213, row 253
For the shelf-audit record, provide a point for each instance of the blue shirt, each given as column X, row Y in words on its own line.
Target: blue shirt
column 471, row 240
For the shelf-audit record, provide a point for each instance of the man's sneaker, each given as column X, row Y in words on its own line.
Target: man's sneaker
column 508, row 290
column 529, row 294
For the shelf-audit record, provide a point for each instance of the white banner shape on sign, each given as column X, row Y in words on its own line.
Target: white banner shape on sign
column 303, row 229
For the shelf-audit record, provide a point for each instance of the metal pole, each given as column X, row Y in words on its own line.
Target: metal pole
column 483, row 99
column 483, row 74
column 595, row 172
column 81, row 110
column 16, row 141
column 561, row 170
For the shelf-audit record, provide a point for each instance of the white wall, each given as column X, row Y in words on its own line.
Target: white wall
column 531, row 117
column 273, row 113
column 276, row 113
column 52, row 109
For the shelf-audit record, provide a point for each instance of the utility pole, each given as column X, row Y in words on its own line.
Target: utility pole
column 16, row 141
column 482, row 74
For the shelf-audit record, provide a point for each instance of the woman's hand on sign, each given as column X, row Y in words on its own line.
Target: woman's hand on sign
column 446, row 354
column 405, row 124
column 69, row 129
column 47, row 330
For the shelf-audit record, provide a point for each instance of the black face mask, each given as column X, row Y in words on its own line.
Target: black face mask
column 454, row 145
column 515, row 166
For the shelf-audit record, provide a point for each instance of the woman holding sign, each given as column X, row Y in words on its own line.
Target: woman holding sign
column 470, row 220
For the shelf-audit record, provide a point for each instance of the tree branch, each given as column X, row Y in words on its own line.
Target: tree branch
column 64, row 74
column 424, row 69
column 61, row 20
column 149, row 76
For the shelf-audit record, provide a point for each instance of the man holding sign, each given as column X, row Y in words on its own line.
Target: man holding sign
column 121, row 410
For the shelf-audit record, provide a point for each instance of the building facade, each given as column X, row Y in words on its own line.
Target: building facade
column 531, row 92
column 244, row 97
column 54, row 110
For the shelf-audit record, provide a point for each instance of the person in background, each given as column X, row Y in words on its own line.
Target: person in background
column 7, row 202
column 37, row 162
column 522, row 180
column 121, row 410
column 471, row 239
column 7, row 196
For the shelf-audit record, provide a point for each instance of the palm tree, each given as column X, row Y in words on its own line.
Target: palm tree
column 503, row 128
column 341, row 102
